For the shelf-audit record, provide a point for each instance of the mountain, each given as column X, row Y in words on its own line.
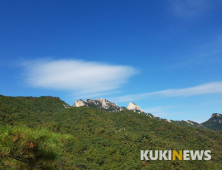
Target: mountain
column 215, row 122
column 103, row 139
column 105, row 104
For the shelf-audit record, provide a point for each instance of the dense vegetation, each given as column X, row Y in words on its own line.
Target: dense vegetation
column 29, row 148
column 88, row 138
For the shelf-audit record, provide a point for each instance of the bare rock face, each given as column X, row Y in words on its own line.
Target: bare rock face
column 107, row 105
column 79, row 103
column 94, row 102
column 134, row 107
column 98, row 103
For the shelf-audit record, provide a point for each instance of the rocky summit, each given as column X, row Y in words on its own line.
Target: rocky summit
column 98, row 103
column 215, row 122
column 79, row 103
column 134, row 107
column 216, row 115
column 106, row 105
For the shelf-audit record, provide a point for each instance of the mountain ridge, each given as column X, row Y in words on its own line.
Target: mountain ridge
column 214, row 123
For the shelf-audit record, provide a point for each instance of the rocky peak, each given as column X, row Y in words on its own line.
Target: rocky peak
column 98, row 103
column 134, row 107
column 216, row 115
column 79, row 103
column 106, row 105
column 215, row 122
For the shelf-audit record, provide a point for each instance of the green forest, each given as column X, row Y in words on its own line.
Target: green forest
column 40, row 133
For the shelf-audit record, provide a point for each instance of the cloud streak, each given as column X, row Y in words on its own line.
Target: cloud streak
column 208, row 88
column 208, row 53
column 77, row 76
column 190, row 8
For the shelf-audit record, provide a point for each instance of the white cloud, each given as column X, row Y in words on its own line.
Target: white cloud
column 209, row 88
column 77, row 76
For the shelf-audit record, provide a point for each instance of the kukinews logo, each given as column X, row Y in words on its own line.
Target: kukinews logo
column 172, row 154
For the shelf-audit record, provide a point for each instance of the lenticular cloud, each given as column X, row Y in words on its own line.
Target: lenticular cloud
column 77, row 76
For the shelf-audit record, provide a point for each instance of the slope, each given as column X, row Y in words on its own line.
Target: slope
column 110, row 140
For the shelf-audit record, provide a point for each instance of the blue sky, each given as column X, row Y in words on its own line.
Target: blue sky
column 165, row 56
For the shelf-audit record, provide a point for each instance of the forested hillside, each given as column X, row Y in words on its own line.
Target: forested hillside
column 40, row 133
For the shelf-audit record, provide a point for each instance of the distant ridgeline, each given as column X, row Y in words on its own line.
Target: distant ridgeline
column 104, row 104
column 47, row 133
column 16, row 104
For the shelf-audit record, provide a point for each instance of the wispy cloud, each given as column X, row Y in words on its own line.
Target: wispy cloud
column 207, row 53
column 190, row 8
column 208, row 88
column 77, row 76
